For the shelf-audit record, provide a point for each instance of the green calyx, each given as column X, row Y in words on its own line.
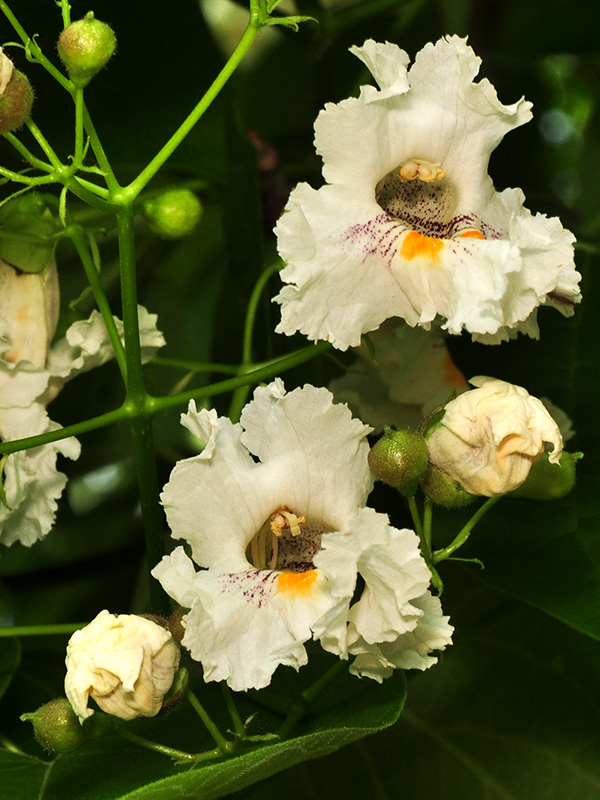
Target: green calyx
column 15, row 103
column 56, row 726
column 547, row 481
column 172, row 214
column 399, row 459
column 85, row 47
column 443, row 491
column 27, row 229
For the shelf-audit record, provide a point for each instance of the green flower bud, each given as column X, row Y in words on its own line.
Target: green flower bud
column 173, row 214
column 15, row 102
column 445, row 492
column 56, row 726
column 547, row 481
column 399, row 459
column 85, row 47
column 27, row 229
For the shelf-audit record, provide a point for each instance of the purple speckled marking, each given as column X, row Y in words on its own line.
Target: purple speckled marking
column 425, row 208
column 256, row 585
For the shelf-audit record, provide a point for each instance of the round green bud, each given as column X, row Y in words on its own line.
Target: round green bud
column 399, row 459
column 56, row 726
column 85, row 47
column 173, row 214
column 15, row 102
column 445, row 492
column 547, row 481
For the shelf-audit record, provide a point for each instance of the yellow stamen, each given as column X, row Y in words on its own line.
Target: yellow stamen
column 415, row 245
column 427, row 171
column 284, row 518
column 301, row 583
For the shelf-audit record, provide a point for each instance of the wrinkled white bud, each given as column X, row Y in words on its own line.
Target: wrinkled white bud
column 6, row 71
column 124, row 662
column 491, row 436
column 29, row 306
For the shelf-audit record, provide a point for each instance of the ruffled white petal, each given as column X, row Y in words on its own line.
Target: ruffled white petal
column 300, row 439
column 87, row 345
column 275, row 512
column 243, row 625
column 353, row 262
column 32, row 484
column 411, row 650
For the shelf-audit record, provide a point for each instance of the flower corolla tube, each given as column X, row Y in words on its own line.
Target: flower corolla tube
column 491, row 436
column 274, row 512
column 409, row 224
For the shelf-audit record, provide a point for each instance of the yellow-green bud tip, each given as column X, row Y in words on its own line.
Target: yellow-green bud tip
column 399, row 459
column 173, row 214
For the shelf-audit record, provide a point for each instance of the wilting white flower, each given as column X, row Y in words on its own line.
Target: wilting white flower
column 409, row 224
column 405, row 375
column 491, row 436
column 274, row 510
column 31, row 375
column 124, row 662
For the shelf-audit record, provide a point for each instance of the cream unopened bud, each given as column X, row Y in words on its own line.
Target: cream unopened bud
column 490, row 437
column 126, row 663
column 29, row 307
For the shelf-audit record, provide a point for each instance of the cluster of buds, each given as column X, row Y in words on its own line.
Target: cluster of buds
column 493, row 440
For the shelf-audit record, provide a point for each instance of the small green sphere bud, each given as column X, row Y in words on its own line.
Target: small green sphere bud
column 85, row 47
column 56, row 726
column 445, row 492
column 15, row 102
column 548, row 481
column 399, row 458
column 173, row 214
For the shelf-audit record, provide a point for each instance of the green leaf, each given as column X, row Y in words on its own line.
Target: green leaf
column 510, row 713
column 110, row 769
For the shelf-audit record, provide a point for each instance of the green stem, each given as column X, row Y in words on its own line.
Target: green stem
column 45, row 145
column 103, row 162
column 127, row 259
column 257, row 375
column 416, row 517
column 65, row 9
column 299, row 709
column 171, row 752
column 423, row 531
column 252, row 308
column 78, row 157
column 146, row 175
column 238, row 724
column 145, row 462
column 18, row 177
column 195, row 366
column 27, row 155
column 78, row 240
column 224, row 746
column 463, row 535
column 427, row 523
column 34, row 48
column 41, row 630
column 14, row 445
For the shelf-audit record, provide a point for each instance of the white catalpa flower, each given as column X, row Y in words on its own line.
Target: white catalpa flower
column 490, row 437
column 409, row 224
column 405, row 375
column 274, row 511
column 31, row 375
column 126, row 663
